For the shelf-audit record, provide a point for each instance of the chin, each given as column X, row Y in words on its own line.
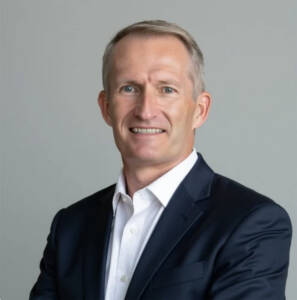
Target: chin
column 144, row 157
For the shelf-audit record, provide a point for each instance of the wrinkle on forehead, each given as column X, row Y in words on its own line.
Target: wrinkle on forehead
column 169, row 63
column 155, row 74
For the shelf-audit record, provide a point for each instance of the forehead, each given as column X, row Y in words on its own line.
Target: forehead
column 148, row 52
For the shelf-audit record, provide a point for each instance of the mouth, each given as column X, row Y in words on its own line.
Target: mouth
column 148, row 130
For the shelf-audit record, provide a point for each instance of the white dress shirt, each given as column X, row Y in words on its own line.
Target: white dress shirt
column 134, row 220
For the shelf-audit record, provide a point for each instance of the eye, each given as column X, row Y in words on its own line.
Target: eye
column 128, row 89
column 168, row 90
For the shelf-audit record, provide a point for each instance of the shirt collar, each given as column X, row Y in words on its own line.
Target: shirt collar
column 119, row 190
column 170, row 180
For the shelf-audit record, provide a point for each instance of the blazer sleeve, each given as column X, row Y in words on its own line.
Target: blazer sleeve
column 253, row 263
column 45, row 288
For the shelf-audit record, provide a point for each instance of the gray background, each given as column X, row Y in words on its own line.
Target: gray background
column 55, row 148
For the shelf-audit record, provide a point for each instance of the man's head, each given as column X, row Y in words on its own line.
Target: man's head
column 148, row 100
column 159, row 28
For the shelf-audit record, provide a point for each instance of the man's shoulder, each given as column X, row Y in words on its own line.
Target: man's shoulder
column 225, row 193
column 238, row 200
column 101, row 198
column 233, row 189
column 72, row 219
column 223, row 190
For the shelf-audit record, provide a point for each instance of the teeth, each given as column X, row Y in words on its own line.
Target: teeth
column 146, row 130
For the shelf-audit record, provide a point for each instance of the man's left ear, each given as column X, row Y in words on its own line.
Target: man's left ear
column 202, row 107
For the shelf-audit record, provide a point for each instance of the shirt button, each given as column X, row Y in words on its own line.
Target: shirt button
column 132, row 230
column 123, row 278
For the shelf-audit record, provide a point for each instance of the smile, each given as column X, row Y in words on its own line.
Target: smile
column 146, row 130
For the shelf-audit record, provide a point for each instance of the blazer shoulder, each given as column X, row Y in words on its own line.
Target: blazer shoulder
column 237, row 199
column 100, row 200
column 101, row 197
column 72, row 219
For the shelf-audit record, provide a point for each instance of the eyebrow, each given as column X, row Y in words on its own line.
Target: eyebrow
column 126, row 81
column 137, row 83
column 169, row 81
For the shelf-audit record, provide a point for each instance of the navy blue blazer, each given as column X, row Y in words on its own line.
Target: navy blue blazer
column 216, row 240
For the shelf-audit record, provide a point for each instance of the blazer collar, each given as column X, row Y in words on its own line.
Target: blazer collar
column 199, row 181
column 182, row 211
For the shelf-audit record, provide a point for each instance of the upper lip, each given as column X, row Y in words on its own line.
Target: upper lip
column 146, row 127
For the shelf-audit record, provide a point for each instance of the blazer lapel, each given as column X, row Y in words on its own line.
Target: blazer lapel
column 96, row 247
column 182, row 211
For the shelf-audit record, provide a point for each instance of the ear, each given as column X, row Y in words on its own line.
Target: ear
column 104, row 107
column 202, row 107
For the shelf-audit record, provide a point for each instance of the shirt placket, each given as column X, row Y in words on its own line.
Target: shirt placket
column 130, row 243
column 126, row 252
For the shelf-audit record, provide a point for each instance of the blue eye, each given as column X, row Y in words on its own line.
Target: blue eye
column 128, row 89
column 168, row 90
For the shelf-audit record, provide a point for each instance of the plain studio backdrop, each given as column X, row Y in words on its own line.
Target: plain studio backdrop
column 55, row 147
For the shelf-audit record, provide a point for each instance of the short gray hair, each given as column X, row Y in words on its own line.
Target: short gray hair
column 159, row 27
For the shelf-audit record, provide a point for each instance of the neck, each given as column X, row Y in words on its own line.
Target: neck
column 139, row 176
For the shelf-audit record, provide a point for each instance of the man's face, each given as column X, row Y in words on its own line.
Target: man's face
column 149, row 104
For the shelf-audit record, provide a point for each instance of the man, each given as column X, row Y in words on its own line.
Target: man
column 170, row 228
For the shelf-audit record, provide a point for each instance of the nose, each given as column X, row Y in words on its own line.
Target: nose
column 146, row 107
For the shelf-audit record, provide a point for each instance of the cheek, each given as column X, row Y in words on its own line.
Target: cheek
column 119, row 113
column 182, row 115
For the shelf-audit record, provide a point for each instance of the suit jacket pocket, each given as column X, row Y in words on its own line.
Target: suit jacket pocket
column 178, row 275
